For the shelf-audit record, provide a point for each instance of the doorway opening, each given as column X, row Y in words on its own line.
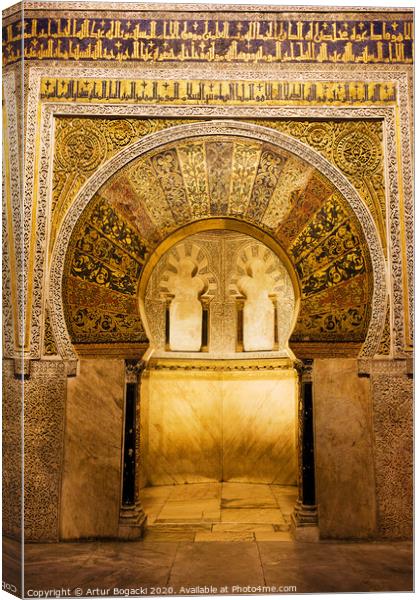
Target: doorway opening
column 218, row 398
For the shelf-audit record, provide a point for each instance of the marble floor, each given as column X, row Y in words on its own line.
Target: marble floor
column 110, row 568
column 219, row 512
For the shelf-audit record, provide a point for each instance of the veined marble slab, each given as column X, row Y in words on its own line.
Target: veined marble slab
column 205, row 426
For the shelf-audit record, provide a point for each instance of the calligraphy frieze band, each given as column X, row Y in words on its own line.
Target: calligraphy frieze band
column 195, row 92
column 210, row 40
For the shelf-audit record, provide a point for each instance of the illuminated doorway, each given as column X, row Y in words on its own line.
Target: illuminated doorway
column 218, row 450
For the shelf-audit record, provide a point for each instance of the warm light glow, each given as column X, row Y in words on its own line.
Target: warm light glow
column 219, row 425
column 243, row 284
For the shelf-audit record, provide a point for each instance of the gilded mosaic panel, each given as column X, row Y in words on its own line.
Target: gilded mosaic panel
column 319, row 227
column 195, row 38
column 246, row 157
column 82, row 145
column 101, row 277
column 355, row 147
column 98, row 139
column 169, row 174
column 266, row 179
column 347, row 324
column 314, row 225
column 348, row 266
column 145, row 184
column 305, row 203
column 192, row 159
column 257, row 92
column 219, row 163
column 338, row 311
column 335, row 245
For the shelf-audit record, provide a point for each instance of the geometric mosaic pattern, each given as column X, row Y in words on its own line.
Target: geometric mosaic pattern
column 215, row 176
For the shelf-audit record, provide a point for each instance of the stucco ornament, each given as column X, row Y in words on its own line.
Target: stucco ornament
column 185, row 308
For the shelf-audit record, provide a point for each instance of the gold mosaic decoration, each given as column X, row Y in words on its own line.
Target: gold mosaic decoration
column 355, row 147
column 229, row 38
column 188, row 180
column 215, row 92
column 101, row 278
column 82, row 145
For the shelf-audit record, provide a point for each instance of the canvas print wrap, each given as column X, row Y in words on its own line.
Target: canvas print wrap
column 207, row 299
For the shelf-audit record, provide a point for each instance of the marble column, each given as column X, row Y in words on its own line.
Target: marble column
column 132, row 517
column 305, row 515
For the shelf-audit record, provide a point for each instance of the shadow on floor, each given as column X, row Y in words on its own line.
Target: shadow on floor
column 147, row 567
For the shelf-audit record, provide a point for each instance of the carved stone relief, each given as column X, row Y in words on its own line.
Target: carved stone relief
column 45, row 397
column 400, row 76
column 393, row 430
column 258, row 312
column 355, row 260
column 12, row 447
column 14, row 290
column 269, row 301
column 50, row 347
column 183, row 287
column 221, row 260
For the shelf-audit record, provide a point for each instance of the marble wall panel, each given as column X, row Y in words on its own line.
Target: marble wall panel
column 259, row 427
column 90, row 497
column 213, row 425
column 343, row 450
column 184, row 428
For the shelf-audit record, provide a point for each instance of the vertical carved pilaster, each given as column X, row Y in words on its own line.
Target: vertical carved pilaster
column 45, row 392
column 305, row 515
column 132, row 517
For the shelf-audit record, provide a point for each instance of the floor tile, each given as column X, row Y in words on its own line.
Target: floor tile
column 224, row 536
column 239, row 495
column 273, row 536
column 252, row 515
column 192, row 541
column 158, row 491
column 313, row 568
column 242, row 527
column 218, row 564
column 196, row 491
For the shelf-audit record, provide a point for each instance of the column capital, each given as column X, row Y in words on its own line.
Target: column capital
column 133, row 368
column 304, row 368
